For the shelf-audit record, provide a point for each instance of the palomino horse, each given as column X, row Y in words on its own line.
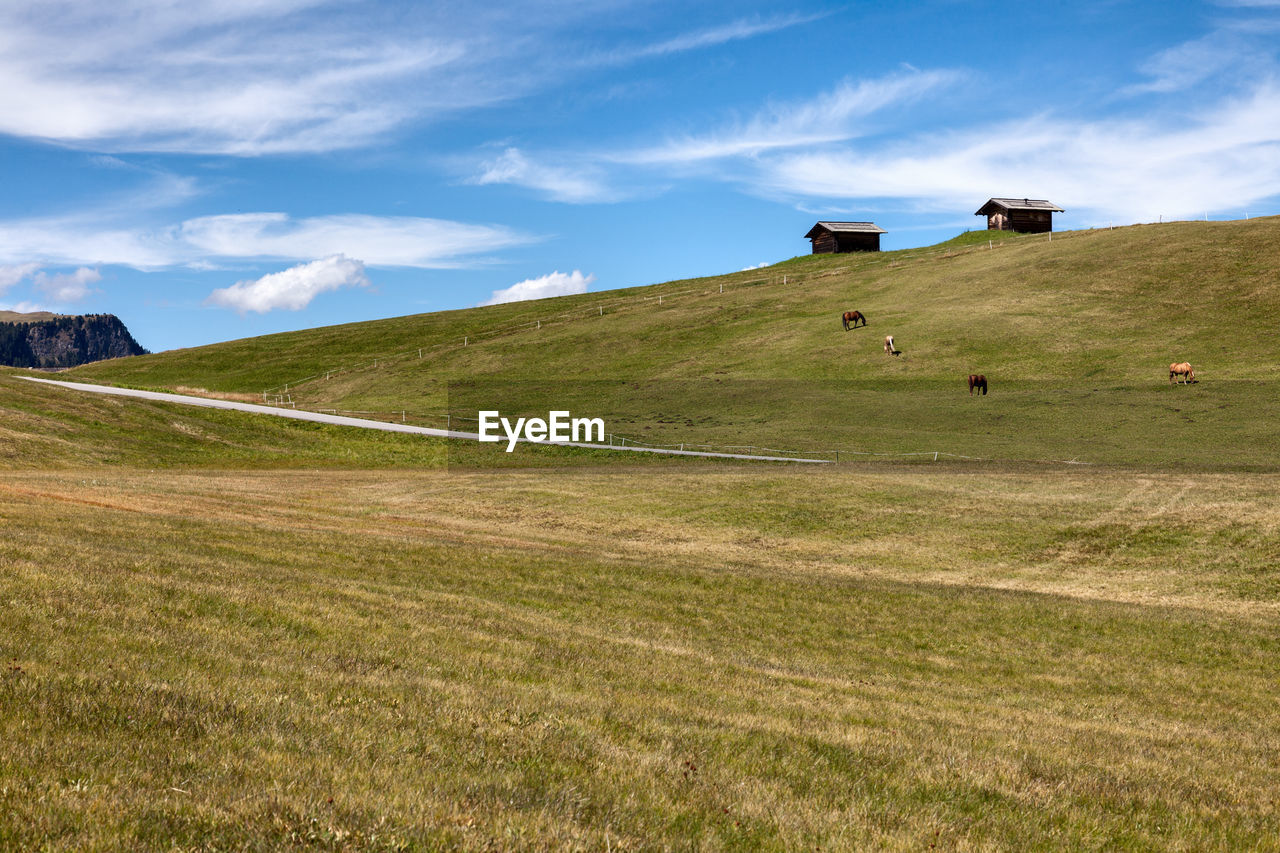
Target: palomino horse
column 853, row 317
column 1183, row 371
column 977, row 380
column 889, row 348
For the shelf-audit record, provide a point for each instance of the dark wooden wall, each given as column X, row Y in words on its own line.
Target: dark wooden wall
column 1022, row 221
column 826, row 243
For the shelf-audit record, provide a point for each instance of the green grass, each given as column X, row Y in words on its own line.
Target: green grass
column 638, row 659
column 44, row 427
column 224, row 631
column 1075, row 335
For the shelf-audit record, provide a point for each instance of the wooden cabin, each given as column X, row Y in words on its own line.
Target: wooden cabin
column 831, row 237
column 1024, row 215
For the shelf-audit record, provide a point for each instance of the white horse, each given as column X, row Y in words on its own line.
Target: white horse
column 889, row 348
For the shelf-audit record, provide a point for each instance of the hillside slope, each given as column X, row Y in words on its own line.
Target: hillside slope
column 1084, row 303
column 1075, row 332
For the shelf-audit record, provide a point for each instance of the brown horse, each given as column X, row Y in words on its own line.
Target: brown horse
column 853, row 317
column 1183, row 371
column 977, row 380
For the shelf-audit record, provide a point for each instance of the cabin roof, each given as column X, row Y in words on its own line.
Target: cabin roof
column 846, row 228
column 1017, row 204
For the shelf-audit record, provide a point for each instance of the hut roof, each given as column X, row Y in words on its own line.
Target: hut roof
column 1017, row 204
column 847, row 228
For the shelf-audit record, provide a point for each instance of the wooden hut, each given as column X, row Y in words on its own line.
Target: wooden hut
column 1025, row 215
column 831, row 237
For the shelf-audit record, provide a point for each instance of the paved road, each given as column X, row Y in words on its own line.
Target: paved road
column 361, row 423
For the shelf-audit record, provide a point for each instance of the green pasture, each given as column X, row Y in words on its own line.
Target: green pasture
column 1075, row 334
column 224, row 631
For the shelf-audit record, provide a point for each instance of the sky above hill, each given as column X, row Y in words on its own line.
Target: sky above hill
column 222, row 170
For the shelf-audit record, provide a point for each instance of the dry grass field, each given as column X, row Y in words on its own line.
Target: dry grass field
column 680, row 656
column 228, row 632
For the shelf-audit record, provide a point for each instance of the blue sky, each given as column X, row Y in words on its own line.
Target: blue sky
column 222, row 170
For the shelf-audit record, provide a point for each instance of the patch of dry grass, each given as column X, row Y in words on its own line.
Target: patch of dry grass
column 890, row 657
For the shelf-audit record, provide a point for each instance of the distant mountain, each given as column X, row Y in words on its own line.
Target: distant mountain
column 50, row 340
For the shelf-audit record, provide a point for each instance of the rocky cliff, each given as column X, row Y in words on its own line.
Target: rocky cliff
column 65, row 341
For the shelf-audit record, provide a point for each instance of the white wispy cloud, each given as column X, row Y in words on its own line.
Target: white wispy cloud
column 67, row 287
column 579, row 184
column 13, row 273
column 710, row 37
column 250, row 78
column 552, row 284
column 24, row 307
column 254, row 77
column 830, row 116
column 293, row 288
column 1233, row 51
column 1223, row 157
column 402, row 241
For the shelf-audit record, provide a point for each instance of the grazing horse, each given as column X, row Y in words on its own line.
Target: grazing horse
column 853, row 317
column 1183, row 371
column 889, row 348
column 977, row 380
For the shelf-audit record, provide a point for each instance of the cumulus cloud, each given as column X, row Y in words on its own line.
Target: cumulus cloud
column 67, row 287
column 552, row 284
column 293, row 288
column 392, row 241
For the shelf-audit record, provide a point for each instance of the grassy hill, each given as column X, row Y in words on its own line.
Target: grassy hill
column 225, row 631
column 1074, row 331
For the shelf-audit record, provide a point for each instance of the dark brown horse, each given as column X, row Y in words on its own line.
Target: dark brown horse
column 853, row 317
column 977, row 380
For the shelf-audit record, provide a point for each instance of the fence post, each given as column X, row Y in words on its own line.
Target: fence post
column 419, row 352
column 601, row 310
column 464, row 340
column 448, row 422
column 402, row 420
